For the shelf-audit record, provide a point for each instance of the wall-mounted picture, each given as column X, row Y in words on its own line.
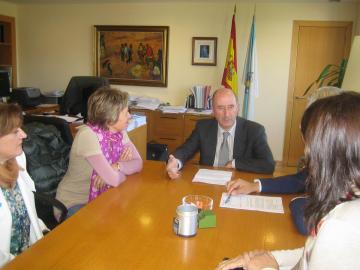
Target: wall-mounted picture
column 204, row 51
column 132, row 55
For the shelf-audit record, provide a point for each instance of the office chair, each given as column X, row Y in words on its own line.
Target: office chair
column 77, row 93
column 47, row 149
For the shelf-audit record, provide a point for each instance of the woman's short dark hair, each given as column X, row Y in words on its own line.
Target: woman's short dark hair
column 105, row 105
column 332, row 152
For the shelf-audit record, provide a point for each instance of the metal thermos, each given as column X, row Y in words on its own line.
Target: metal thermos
column 186, row 222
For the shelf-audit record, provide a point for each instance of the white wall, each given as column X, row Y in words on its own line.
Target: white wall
column 56, row 42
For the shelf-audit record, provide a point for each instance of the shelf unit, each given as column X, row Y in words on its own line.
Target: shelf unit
column 8, row 46
column 170, row 129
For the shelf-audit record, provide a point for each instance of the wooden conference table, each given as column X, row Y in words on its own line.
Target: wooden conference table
column 130, row 227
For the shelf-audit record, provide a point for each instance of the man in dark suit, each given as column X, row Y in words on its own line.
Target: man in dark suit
column 226, row 141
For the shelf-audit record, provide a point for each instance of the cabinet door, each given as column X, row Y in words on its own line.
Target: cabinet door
column 189, row 125
column 190, row 122
column 169, row 129
column 169, row 125
column 172, row 143
column 149, row 121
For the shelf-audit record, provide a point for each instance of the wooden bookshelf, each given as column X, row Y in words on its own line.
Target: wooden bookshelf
column 8, row 46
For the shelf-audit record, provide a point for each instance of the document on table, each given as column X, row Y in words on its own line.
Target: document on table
column 253, row 202
column 214, row 177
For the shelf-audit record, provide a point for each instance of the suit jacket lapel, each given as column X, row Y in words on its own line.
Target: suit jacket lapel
column 212, row 140
column 240, row 138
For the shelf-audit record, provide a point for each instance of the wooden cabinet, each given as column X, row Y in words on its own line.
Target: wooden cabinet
column 189, row 125
column 190, row 122
column 170, row 129
column 8, row 47
column 149, row 120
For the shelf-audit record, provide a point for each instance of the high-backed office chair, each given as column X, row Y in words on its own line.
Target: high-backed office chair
column 77, row 93
column 47, row 150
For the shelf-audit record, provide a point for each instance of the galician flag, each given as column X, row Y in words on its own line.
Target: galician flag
column 230, row 78
column 250, row 76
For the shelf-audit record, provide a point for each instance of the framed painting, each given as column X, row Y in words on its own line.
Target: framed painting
column 132, row 55
column 204, row 51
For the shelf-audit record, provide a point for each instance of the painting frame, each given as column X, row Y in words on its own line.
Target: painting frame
column 132, row 55
column 204, row 51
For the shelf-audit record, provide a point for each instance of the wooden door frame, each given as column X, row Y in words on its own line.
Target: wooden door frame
column 292, row 69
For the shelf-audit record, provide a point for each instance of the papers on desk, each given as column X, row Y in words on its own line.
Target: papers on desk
column 136, row 121
column 253, row 202
column 214, row 177
column 202, row 112
column 146, row 102
column 173, row 109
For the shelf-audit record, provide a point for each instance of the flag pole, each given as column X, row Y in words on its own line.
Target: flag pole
column 248, row 69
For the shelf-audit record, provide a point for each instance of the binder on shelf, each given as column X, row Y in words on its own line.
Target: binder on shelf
column 200, row 98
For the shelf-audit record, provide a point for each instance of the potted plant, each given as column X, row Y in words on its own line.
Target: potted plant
column 331, row 75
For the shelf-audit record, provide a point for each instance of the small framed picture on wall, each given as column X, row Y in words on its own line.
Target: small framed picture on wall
column 204, row 51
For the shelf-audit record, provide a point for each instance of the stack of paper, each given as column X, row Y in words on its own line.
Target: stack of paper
column 173, row 109
column 253, row 202
column 203, row 112
column 214, row 177
column 146, row 102
column 136, row 121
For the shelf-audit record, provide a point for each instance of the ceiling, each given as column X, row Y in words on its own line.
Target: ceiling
column 164, row 1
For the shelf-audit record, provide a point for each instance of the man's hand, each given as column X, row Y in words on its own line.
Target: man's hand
column 240, row 186
column 172, row 168
column 229, row 165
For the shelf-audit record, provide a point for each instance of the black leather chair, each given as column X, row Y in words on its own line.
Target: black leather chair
column 47, row 150
column 77, row 93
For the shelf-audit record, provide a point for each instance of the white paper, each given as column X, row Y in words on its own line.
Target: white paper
column 253, row 202
column 173, row 109
column 146, row 102
column 202, row 112
column 214, row 177
column 66, row 117
column 136, row 121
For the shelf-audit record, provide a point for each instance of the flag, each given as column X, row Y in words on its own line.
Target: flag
column 230, row 79
column 250, row 76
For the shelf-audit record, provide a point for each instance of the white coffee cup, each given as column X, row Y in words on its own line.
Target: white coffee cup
column 186, row 222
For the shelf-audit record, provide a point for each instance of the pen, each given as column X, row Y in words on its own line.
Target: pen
column 228, row 198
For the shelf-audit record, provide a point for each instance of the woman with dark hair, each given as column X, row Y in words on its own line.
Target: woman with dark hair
column 287, row 184
column 19, row 224
column 102, row 154
column 332, row 153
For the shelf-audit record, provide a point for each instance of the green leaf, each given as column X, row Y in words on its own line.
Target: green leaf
column 330, row 75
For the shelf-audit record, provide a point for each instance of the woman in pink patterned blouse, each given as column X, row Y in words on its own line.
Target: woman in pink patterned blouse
column 102, row 154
